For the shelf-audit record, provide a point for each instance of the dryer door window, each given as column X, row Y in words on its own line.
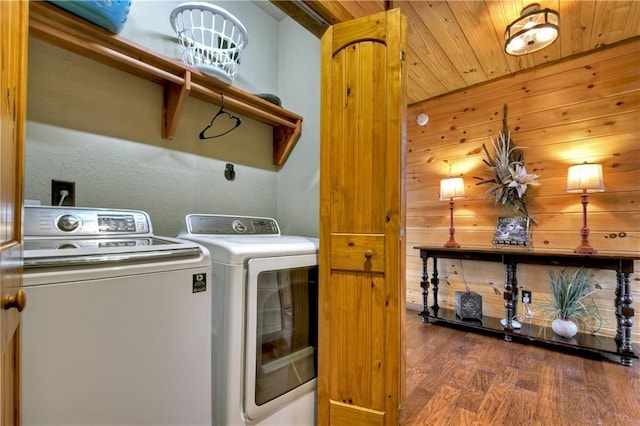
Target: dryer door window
column 282, row 332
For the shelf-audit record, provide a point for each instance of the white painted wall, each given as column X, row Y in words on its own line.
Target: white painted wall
column 299, row 84
column 100, row 127
column 117, row 173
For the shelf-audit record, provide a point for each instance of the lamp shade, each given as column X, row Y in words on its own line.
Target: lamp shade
column 534, row 30
column 451, row 189
column 585, row 178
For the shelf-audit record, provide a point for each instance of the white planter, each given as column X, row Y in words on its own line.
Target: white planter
column 564, row 328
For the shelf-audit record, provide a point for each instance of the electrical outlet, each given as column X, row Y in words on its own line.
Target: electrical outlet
column 526, row 296
column 58, row 197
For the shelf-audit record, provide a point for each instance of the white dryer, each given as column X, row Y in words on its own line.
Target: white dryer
column 265, row 312
column 117, row 327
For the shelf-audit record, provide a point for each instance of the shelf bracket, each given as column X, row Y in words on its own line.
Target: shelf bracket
column 61, row 28
column 284, row 139
column 175, row 98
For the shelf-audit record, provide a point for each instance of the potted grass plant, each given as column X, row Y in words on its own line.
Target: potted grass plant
column 572, row 305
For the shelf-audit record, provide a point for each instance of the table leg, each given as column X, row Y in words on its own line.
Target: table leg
column 618, row 304
column 434, row 284
column 624, row 316
column 424, row 284
column 510, row 296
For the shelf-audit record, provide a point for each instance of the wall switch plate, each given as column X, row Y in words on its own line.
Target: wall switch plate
column 58, row 197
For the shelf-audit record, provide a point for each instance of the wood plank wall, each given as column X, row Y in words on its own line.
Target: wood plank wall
column 586, row 108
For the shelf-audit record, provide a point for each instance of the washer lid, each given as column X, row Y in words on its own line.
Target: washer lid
column 71, row 252
column 234, row 239
column 236, row 249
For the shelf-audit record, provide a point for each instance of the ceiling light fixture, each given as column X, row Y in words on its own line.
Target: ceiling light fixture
column 534, row 30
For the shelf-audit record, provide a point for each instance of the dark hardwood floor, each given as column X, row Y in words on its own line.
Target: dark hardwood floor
column 456, row 377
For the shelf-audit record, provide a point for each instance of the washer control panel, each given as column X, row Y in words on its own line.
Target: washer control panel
column 211, row 224
column 81, row 221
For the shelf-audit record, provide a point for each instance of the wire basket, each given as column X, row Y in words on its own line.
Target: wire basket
column 211, row 38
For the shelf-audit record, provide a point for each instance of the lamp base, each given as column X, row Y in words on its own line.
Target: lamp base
column 452, row 244
column 585, row 249
column 452, row 231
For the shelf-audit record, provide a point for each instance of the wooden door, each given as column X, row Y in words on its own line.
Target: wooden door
column 362, row 301
column 13, row 70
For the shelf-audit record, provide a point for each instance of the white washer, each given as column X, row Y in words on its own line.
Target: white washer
column 117, row 327
column 265, row 300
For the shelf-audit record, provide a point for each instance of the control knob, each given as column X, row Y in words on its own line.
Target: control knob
column 68, row 222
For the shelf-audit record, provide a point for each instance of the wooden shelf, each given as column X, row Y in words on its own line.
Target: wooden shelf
column 580, row 343
column 58, row 27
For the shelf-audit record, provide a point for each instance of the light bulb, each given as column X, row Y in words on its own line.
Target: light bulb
column 516, row 44
column 546, row 34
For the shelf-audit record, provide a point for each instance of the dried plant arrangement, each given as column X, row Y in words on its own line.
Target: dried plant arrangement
column 509, row 179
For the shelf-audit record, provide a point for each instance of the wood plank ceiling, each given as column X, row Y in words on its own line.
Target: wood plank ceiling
column 457, row 44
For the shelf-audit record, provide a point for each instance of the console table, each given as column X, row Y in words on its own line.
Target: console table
column 620, row 346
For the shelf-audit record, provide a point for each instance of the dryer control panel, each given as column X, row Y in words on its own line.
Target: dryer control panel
column 42, row 221
column 211, row 224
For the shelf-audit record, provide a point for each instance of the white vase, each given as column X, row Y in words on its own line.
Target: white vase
column 564, row 328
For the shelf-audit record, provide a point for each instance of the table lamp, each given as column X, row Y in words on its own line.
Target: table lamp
column 585, row 178
column 451, row 189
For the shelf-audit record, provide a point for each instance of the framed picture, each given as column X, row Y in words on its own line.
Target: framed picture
column 512, row 231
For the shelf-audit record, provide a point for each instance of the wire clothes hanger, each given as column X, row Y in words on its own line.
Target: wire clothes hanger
column 225, row 114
